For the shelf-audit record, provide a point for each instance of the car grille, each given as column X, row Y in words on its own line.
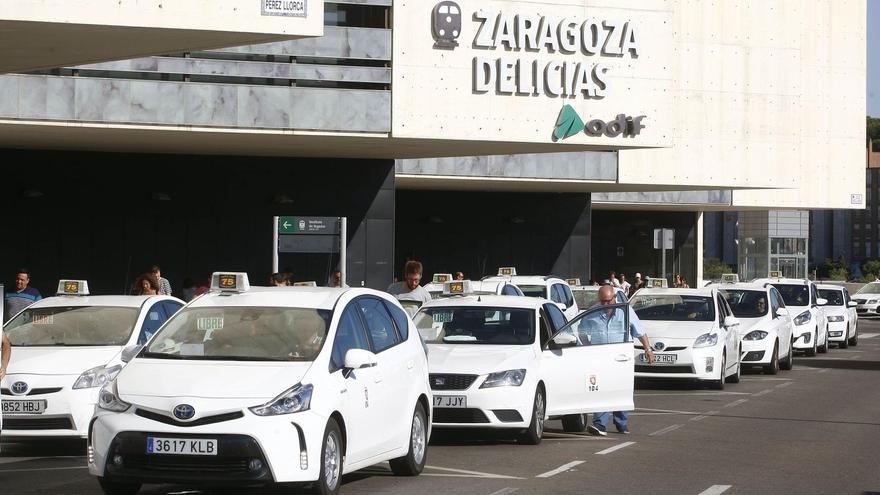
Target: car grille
column 451, row 382
column 33, row 391
column 450, row 415
column 62, row 423
column 665, row 349
column 207, row 420
column 187, row 464
column 664, row 369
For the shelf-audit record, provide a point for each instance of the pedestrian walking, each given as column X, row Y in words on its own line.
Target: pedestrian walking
column 22, row 296
column 624, row 285
column 146, row 285
column 164, row 284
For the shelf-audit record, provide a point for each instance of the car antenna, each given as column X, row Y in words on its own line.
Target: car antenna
column 479, row 298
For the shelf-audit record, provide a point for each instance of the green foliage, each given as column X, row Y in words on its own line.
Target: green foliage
column 833, row 269
column 871, row 269
column 713, row 268
column 874, row 131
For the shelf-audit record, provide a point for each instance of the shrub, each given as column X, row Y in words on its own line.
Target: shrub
column 713, row 268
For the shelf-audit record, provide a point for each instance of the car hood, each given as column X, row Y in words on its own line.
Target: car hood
column 60, row 360
column 208, row 379
column 746, row 324
column 834, row 310
column 675, row 329
column 478, row 359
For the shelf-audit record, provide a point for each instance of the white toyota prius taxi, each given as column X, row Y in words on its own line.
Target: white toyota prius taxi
column 694, row 334
column 511, row 362
column 66, row 348
column 252, row 386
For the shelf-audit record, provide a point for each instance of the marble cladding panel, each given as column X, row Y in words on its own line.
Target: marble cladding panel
column 337, row 42
column 32, row 98
column 260, row 106
column 9, row 104
column 719, row 197
column 145, row 101
column 578, row 166
column 380, row 75
column 211, row 104
column 60, row 101
column 333, row 109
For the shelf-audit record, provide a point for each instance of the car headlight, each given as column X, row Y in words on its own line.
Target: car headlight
column 109, row 400
column 835, row 318
column 803, row 318
column 756, row 335
column 97, row 376
column 872, row 301
column 295, row 399
column 509, row 378
column 706, row 340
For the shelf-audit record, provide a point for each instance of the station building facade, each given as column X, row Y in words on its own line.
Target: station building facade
column 549, row 136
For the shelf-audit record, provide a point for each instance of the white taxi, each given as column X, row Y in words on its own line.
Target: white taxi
column 868, row 300
column 547, row 287
column 66, row 348
column 435, row 286
column 693, row 332
column 511, row 362
column 840, row 312
column 802, row 300
column 259, row 385
column 765, row 326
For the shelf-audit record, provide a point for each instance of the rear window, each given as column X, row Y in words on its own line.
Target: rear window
column 534, row 290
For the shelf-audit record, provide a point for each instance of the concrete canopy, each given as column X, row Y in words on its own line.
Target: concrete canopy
column 41, row 34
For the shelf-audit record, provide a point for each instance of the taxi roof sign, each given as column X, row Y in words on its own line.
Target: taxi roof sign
column 658, row 283
column 441, row 278
column 72, row 288
column 776, row 274
column 573, row 281
column 310, row 283
column 457, row 288
column 507, row 271
column 230, row 281
column 729, row 278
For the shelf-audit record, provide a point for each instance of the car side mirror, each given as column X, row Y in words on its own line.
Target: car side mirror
column 821, row 301
column 781, row 312
column 561, row 340
column 356, row 359
column 852, row 304
column 129, row 352
column 561, row 306
column 731, row 321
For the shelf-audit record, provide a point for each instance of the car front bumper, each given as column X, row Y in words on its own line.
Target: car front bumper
column 758, row 352
column 691, row 363
column 497, row 407
column 66, row 415
column 837, row 331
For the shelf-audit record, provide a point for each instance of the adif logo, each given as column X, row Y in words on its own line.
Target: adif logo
column 446, row 24
column 570, row 123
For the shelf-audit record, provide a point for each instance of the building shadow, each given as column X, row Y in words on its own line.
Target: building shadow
column 839, row 364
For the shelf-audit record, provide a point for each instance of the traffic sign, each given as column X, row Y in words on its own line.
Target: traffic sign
column 667, row 236
column 308, row 225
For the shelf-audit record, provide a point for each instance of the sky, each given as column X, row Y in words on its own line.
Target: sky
column 874, row 58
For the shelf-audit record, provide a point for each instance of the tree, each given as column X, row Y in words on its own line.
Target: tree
column 713, row 268
column 871, row 269
column 873, row 131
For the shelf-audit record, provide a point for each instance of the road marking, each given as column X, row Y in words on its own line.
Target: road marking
column 763, row 379
column 868, row 335
column 856, row 356
column 463, row 473
column 665, row 411
column 41, row 469
column 783, row 385
column 736, row 403
column 687, row 393
column 824, row 370
column 505, row 491
column 665, row 430
column 561, row 469
column 715, row 489
column 763, row 392
column 616, row 447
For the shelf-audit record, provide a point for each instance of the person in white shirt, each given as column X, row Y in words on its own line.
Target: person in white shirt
column 624, row 285
column 612, row 279
column 409, row 289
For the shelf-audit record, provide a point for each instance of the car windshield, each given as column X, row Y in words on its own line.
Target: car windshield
column 872, row 288
column 242, row 333
column 834, row 297
column 476, row 325
column 586, row 298
column 72, row 326
column 673, row 307
column 534, row 290
column 794, row 295
column 746, row 303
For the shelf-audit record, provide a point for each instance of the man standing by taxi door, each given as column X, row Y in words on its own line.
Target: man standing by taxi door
column 600, row 420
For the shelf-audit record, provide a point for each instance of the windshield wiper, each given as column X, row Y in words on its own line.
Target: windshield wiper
column 161, row 355
column 239, row 358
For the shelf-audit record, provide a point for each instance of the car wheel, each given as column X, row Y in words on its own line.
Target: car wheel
column 843, row 344
column 854, row 341
column 414, row 461
column 533, row 434
column 574, row 423
column 330, row 476
column 111, row 487
column 788, row 363
column 773, row 367
column 812, row 351
column 719, row 383
column 824, row 347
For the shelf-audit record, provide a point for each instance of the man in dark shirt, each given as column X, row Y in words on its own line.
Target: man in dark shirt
column 22, row 296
